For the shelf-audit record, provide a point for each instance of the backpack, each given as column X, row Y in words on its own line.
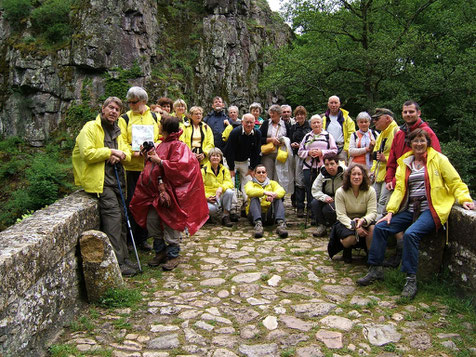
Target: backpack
column 126, row 117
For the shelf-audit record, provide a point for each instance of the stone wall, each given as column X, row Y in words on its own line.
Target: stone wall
column 40, row 277
column 460, row 255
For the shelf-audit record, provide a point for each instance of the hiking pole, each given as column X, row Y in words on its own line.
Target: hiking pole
column 127, row 218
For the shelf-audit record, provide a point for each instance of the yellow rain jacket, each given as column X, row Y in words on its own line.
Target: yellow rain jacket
column 212, row 182
column 90, row 155
column 388, row 134
column 443, row 185
column 137, row 163
column 207, row 139
column 253, row 189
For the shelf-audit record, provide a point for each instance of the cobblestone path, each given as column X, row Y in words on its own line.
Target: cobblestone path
column 234, row 295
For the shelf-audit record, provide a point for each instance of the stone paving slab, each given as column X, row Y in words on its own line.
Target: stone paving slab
column 233, row 295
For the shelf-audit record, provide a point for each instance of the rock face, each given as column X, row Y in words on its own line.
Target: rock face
column 213, row 48
column 100, row 268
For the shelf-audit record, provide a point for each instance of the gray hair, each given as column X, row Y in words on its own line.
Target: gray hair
column 286, row 106
column 247, row 115
column 233, row 107
column 195, row 109
column 137, row 93
column 363, row 115
column 256, row 105
column 215, row 150
column 115, row 100
column 315, row 116
column 275, row 108
column 334, row 97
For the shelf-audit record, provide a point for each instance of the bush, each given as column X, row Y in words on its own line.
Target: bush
column 52, row 20
column 460, row 155
column 16, row 10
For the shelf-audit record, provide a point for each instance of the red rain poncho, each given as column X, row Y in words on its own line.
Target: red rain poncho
column 181, row 175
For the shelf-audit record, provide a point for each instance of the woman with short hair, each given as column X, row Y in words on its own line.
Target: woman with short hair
column 362, row 141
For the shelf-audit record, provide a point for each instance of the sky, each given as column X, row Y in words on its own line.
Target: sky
column 274, row 5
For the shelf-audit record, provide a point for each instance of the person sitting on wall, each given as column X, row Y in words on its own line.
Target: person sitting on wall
column 265, row 203
column 169, row 196
column 218, row 186
column 427, row 186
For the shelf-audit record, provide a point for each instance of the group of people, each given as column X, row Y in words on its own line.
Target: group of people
column 180, row 169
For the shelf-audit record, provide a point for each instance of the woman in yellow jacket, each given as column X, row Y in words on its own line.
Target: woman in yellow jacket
column 426, row 188
column 218, row 186
column 198, row 135
column 265, row 196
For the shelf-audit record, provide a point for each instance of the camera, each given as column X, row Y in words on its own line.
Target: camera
column 147, row 146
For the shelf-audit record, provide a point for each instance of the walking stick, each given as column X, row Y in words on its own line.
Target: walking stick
column 127, row 218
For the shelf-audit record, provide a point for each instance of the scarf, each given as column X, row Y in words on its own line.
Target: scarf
column 262, row 184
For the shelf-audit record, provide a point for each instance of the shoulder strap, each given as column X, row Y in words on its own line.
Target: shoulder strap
column 126, row 118
column 154, row 116
column 328, row 143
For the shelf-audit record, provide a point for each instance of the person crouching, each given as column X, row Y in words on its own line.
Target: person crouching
column 265, row 197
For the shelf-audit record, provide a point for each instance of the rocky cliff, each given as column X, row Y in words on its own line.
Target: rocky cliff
column 189, row 49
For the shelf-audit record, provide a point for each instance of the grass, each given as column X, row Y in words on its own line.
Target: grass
column 120, row 298
column 82, row 324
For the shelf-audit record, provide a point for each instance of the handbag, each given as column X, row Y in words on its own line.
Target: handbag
column 282, row 154
column 267, row 148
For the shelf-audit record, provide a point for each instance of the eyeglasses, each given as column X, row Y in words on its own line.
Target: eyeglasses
column 133, row 101
column 260, row 172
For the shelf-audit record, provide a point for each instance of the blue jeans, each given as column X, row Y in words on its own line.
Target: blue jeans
column 414, row 231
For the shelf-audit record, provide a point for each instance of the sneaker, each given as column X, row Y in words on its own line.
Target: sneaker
column 144, row 246
column 126, row 270
column 234, row 217
column 375, row 273
column 226, row 221
column 259, row 231
column 159, row 258
column 171, row 263
column 300, row 212
column 410, row 289
column 281, row 230
column 320, row 231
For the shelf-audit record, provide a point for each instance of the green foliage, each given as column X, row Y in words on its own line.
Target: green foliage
column 378, row 53
column 117, row 81
column 16, row 11
column 460, row 155
column 119, row 298
column 63, row 350
column 51, row 20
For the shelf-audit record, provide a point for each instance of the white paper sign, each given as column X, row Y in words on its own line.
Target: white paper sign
column 141, row 133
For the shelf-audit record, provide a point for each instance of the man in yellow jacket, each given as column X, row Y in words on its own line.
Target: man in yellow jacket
column 97, row 163
column 384, row 122
column 265, row 197
column 139, row 124
column 339, row 124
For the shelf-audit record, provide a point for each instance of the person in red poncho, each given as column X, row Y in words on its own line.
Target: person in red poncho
column 169, row 195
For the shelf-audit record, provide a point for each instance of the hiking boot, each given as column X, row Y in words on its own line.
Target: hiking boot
column 209, row 220
column 375, row 273
column 281, row 230
column 320, row 231
column 259, row 231
column 226, row 221
column 410, row 289
column 300, row 212
column 347, row 255
column 144, row 246
column 394, row 260
column 126, row 270
column 234, row 217
column 171, row 263
column 159, row 258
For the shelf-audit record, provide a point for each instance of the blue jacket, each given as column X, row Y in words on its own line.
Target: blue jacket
column 216, row 122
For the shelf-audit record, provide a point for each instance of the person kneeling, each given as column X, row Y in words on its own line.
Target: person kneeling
column 265, row 197
column 356, row 208
column 218, row 186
